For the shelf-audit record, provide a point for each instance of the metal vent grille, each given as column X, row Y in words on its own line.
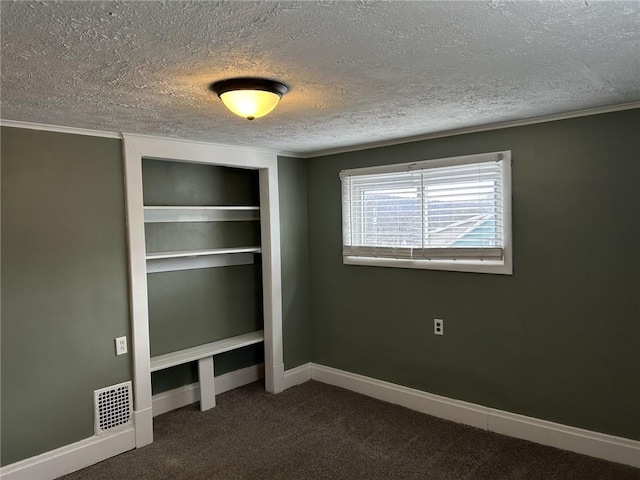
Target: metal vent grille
column 113, row 407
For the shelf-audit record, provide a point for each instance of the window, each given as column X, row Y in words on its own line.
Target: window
column 445, row 214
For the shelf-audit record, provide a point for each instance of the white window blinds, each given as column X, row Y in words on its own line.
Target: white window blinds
column 444, row 209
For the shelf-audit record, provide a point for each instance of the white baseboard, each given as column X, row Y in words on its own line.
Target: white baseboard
column 68, row 459
column 179, row 397
column 277, row 385
column 441, row 407
column 239, row 378
column 565, row 437
column 586, row 442
column 297, row 375
column 143, row 420
column 176, row 398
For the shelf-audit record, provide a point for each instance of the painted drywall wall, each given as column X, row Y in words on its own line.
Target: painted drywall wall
column 557, row 340
column 294, row 246
column 64, row 285
column 65, row 288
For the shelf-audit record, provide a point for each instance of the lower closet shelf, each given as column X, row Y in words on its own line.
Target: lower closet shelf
column 204, row 355
column 187, row 355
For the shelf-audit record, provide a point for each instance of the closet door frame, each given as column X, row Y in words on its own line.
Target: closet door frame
column 137, row 147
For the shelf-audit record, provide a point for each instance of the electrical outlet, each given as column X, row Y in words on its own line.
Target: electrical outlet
column 438, row 326
column 121, row 345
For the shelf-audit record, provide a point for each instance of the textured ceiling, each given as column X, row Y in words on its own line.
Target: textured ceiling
column 359, row 72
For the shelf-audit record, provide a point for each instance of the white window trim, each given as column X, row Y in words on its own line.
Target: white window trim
column 502, row 267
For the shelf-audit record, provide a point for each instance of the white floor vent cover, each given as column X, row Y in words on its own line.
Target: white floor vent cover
column 113, row 406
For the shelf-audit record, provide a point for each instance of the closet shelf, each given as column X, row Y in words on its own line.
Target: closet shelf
column 187, row 355
column 196, row 259
column 164, row 214
column 200, row 253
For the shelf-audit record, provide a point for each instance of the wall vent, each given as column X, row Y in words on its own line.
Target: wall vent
column 113, row 406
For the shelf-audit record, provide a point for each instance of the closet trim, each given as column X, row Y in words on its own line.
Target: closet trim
column 137, row 147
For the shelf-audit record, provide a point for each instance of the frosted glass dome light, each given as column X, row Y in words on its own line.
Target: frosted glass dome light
column 249, row 98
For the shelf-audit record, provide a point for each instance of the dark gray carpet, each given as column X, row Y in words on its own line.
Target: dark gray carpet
column 316, row 431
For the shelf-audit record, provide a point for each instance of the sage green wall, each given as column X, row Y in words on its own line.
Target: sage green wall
column 64, row 285
column 294, row 245
column 558, row 340
column 65, row 289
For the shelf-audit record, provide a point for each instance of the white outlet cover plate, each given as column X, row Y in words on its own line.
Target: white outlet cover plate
column 438, row 326
column 121, row 345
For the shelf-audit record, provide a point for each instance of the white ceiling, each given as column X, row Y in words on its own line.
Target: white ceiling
column 359, row 72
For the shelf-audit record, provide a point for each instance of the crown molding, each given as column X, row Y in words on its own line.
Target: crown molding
column 105, row 134
column 59, row 129
column 351, row 148
column 473, row 129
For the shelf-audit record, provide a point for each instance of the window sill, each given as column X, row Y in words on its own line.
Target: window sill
column 471, row 266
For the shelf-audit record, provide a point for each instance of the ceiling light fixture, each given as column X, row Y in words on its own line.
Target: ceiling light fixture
column 248, row 97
